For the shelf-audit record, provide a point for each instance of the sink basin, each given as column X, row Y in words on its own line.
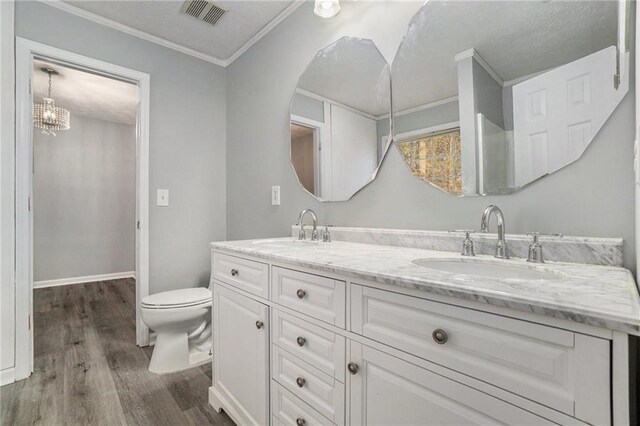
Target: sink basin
column 489, row 269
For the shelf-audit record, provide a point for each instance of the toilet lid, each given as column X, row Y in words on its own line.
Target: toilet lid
column 175, row 298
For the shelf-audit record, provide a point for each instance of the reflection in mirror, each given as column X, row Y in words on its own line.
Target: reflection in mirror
column 492, row 95
column 340, row 119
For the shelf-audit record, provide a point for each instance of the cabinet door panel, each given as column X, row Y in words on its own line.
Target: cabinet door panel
column 389, row 391
column 241, row 354
column 558, row 368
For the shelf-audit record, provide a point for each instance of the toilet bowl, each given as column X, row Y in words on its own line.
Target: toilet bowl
column 181, row 320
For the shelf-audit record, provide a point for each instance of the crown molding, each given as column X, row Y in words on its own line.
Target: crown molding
column 74, row 10
column 266, row 29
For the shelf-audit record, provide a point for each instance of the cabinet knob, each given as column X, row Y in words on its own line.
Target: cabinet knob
column 259, row 324
column 352, row 367
column 301, row 341
column 300, row 382
column 300, row 421
column 301, row 293
column 440, row 336
column 234, row 272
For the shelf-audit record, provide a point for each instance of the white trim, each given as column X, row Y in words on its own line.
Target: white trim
column 332, row 102
column 428, row 130
column 26, row 50
column 86, row 279
column 7, row 166
column 74, row 10
column 265, row 30
column 620, row 378
column 7, row 376
column 421, row 107
column 473, row 53
column 319, row 143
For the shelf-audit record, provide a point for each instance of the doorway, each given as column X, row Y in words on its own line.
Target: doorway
column 35, row 149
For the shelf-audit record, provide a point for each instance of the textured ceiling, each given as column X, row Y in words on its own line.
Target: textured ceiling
column 352, row 72
column 86, row 94
column 515, row 38
column 163, row 19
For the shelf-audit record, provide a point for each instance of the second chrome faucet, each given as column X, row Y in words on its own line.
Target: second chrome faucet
column 501, row 247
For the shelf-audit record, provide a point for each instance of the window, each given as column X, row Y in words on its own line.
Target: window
column 435, row 158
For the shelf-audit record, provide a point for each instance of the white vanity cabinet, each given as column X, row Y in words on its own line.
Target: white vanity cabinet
column 331, row 350
column 241, row 351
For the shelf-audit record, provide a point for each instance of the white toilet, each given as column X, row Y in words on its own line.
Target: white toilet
column 182, row 322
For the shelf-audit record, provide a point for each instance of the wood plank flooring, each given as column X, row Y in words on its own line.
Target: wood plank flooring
column 88, row 369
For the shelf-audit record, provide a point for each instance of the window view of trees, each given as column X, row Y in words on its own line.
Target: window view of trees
column 436, row 159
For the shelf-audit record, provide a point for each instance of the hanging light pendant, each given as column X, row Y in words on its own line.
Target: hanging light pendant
column 46, row 115
column 326, row 8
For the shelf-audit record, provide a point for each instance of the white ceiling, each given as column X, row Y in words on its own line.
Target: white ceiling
column 163, row 19
column 86, row 94
column 515, row 38
column 351, row 72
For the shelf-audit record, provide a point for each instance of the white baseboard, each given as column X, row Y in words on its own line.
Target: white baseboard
column 7, row 376
column 87, row 279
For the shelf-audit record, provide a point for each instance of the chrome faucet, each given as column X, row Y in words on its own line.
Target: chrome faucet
column 302, row 235
column 501, row 247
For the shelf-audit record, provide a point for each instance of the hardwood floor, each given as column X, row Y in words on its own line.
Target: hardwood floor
column 88, row 369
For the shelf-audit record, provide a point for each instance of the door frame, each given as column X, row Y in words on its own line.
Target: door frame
column 26, row 51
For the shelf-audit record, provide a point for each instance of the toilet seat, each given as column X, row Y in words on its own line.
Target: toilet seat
column 183, row 298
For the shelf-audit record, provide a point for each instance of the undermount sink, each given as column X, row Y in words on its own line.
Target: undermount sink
column 482, row 268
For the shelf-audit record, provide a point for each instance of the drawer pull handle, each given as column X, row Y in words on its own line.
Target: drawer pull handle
column 259, row 324
column 300, row 421
column 301, row 341
column 235, row 272
column 300, row 382
column 440, row 336
column 352, row 367
column 301, row 293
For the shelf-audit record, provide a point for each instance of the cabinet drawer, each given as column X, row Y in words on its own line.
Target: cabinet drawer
column 389, row 391
column 557, row 368
column 319, row 347
column 320, row 297
column 247, row 275
column 321, row 391
column 288, row 409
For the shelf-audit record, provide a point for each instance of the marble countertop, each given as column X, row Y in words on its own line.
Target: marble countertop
column 602, row 296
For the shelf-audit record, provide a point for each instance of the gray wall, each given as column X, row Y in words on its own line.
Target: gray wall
column 594, row 196
column 187, row 137
column 84, row 191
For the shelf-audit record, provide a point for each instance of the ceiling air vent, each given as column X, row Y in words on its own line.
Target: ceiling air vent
column 203, row 10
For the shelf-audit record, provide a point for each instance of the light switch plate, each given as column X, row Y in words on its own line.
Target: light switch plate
column 163, row 198
column 275, row 195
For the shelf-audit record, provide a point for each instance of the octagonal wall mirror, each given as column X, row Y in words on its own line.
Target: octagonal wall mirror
column 492, row 95
column 340, row 119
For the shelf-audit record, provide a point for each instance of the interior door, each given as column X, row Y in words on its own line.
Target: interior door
column 557, row 113
column 241, row 354
column 354, row 152
column 386, row 390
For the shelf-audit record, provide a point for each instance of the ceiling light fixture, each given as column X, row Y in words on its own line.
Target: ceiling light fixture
column 327, row 8
column 46, row 115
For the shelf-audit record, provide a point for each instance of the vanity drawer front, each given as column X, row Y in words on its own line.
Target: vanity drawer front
column 319, row 347
column 551, row 366
column 248, row 275
column 321, row 391
column 319, row 297
column 288, row 409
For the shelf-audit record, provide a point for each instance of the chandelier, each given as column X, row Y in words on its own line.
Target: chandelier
column 46, row 115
